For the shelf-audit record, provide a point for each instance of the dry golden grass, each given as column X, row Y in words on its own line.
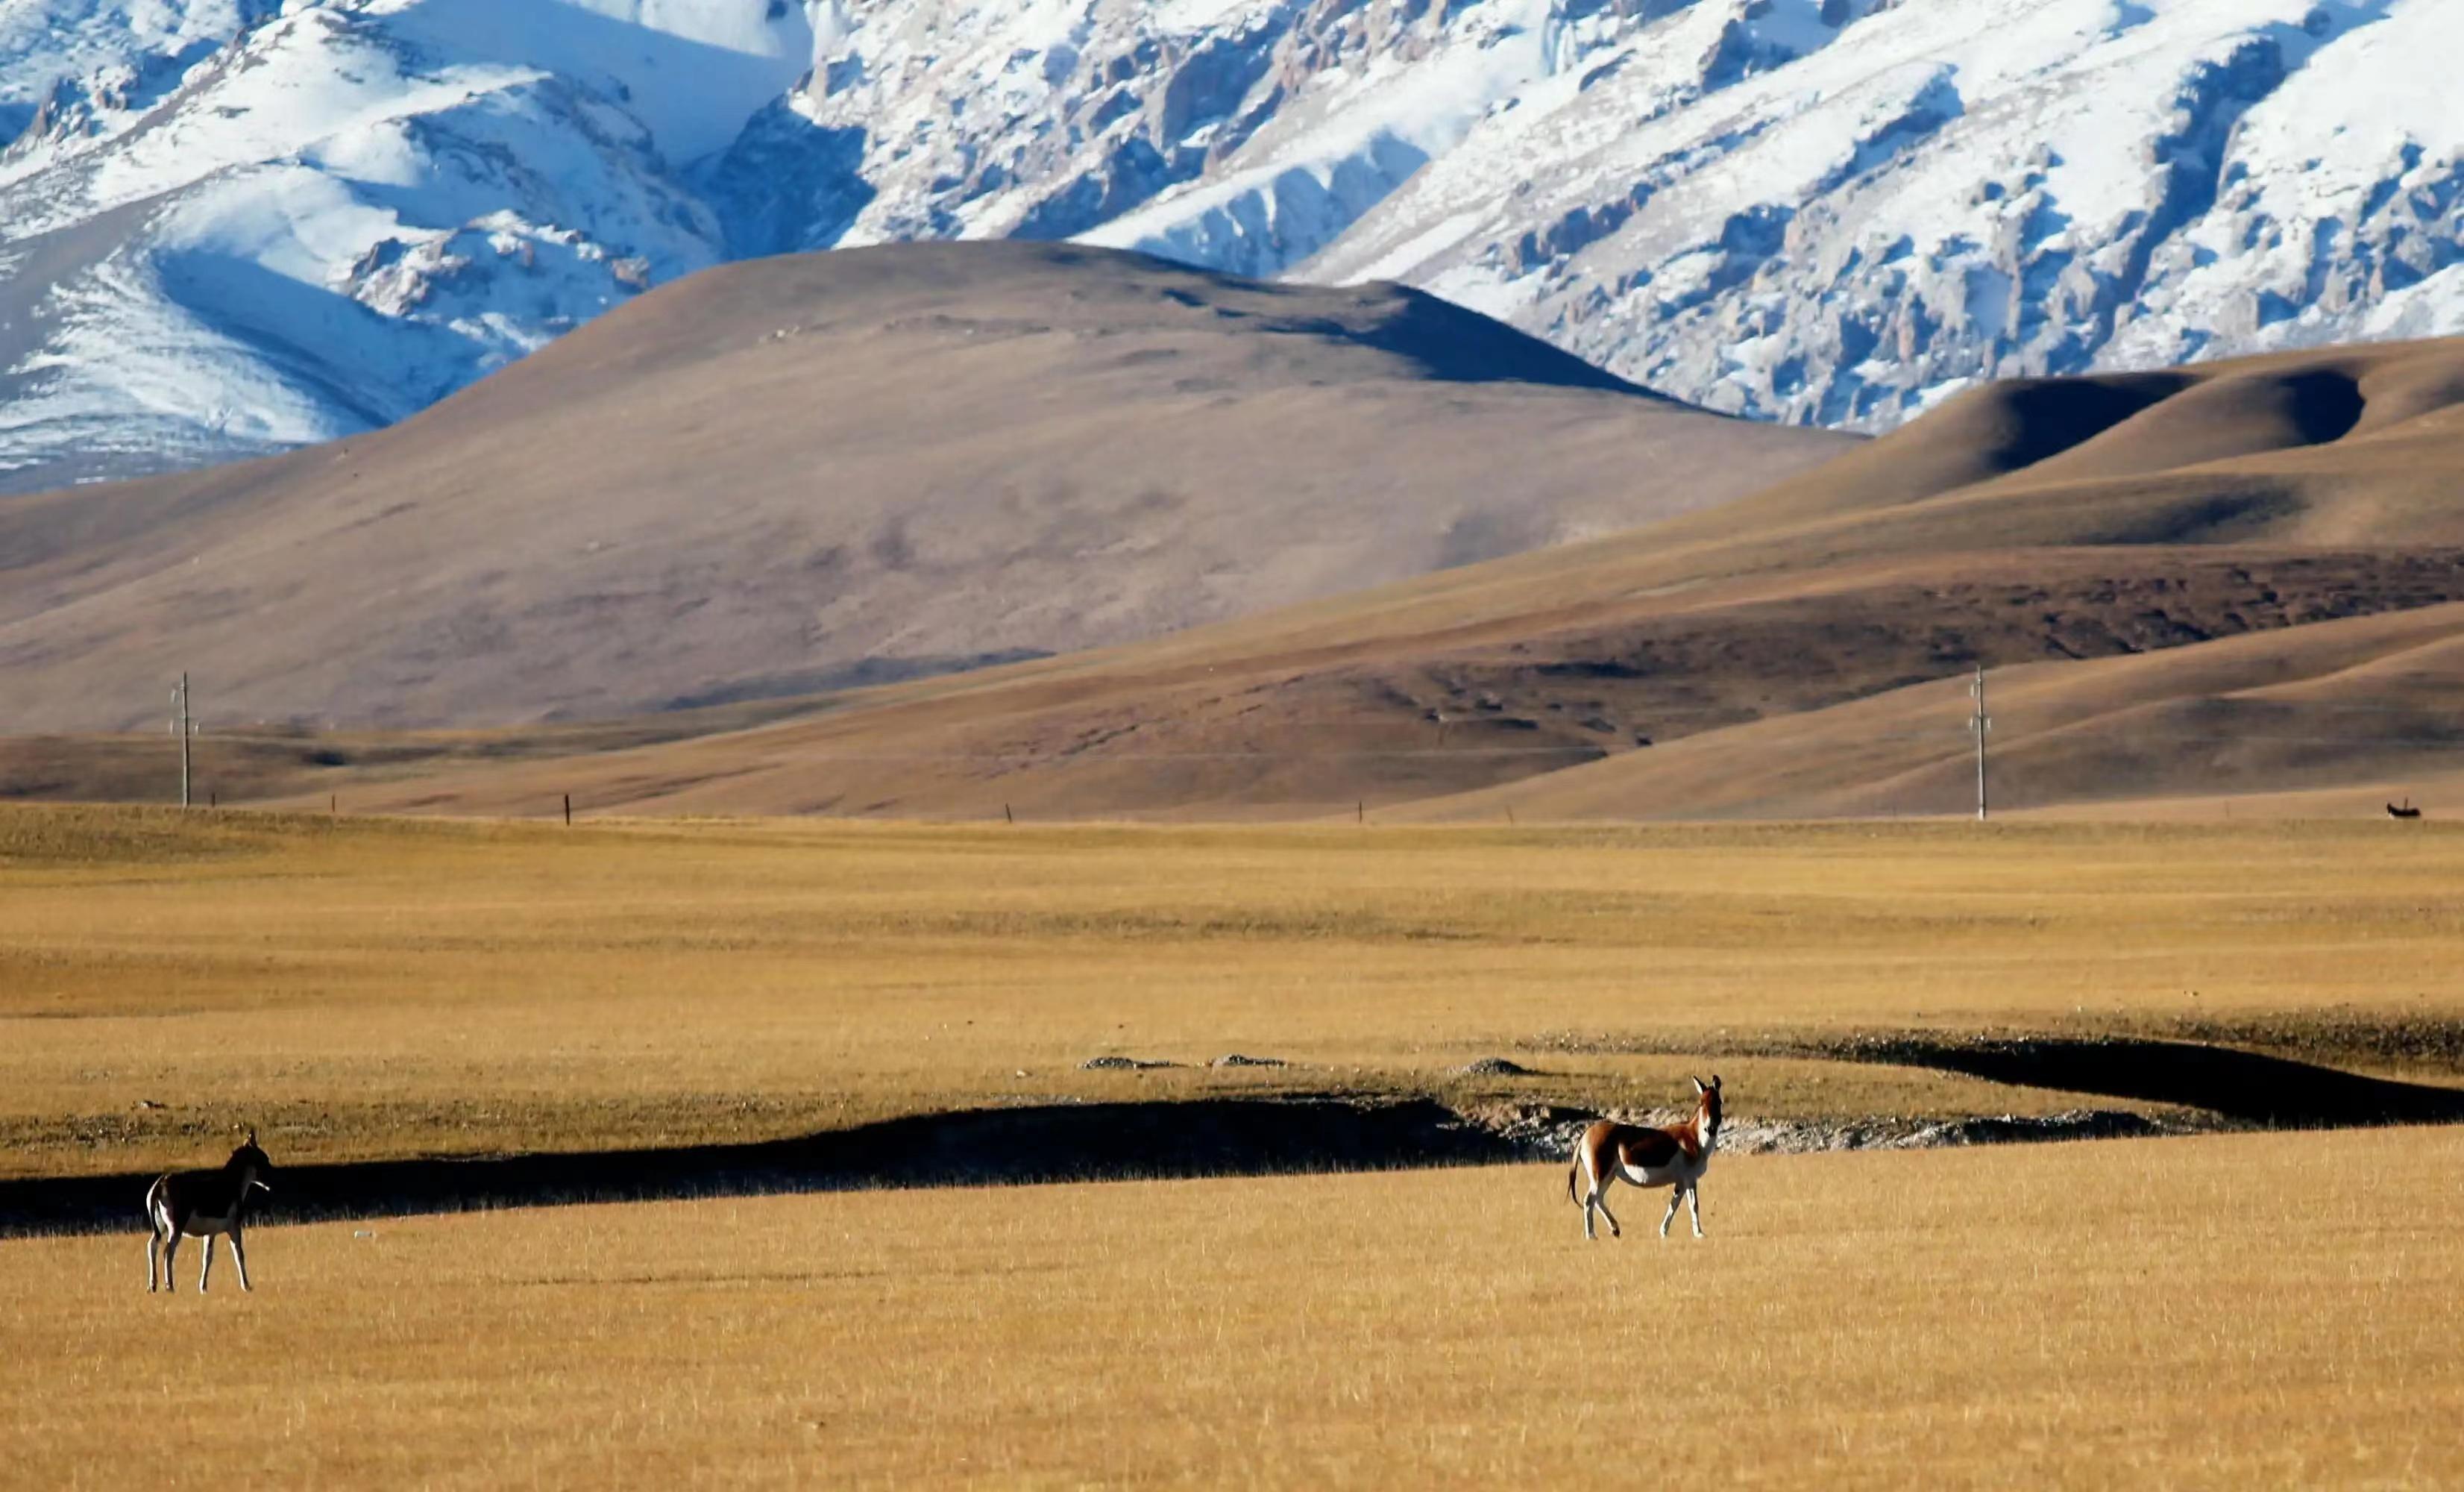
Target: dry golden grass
column 2226, row 1311
column 384, row 987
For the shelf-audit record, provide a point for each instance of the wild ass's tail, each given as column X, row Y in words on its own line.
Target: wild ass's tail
column 1573, row 1167
column 154, row 1202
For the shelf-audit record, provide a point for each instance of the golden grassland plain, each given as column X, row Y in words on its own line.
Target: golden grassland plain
column 378, row 987
column 2225, row 1311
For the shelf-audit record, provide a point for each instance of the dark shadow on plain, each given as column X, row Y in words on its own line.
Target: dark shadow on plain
column 1220, row 1137
column 2247, row 1087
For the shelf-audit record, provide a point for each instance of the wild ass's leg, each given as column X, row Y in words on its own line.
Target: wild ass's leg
column 170, row 1253
column 153, row 1247
column 1600, row 1196
column 206, row 1247
column 1694, row 1207
column 1676, row 1194
column 239, row 1256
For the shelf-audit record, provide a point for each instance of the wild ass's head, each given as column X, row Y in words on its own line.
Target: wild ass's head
column 1706, row 1107
column 250, row 1164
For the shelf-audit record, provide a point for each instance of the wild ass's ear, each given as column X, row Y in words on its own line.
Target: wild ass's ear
column 1715, row 1082
column 252, row 1134
column 1698, row 1088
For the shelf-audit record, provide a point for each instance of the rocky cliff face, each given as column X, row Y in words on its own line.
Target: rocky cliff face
column 1923, row 195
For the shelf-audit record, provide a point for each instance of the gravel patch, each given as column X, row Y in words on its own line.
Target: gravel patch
column 1548, row 1131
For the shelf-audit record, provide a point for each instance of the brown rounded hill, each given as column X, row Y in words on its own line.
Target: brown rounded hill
column 805, row 473
column 2208, row 580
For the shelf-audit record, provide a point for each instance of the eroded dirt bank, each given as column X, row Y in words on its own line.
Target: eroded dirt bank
column 2207, row 1087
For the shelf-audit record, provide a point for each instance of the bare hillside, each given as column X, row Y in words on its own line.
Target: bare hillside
column 2337, row 717
column 1731, row 660
column 795, row 473
column 2020, row 525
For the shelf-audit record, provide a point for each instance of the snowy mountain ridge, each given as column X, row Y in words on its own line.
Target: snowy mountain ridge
column 233, row 226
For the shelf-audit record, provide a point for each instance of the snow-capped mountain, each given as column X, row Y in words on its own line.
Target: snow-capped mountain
column 229, row 230
column 228, row 226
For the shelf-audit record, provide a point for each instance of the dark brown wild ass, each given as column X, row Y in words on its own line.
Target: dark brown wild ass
column 198, row 1204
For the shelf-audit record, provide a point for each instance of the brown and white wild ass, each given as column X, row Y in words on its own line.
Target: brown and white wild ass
column 1673, row 1156
column 198, row 1204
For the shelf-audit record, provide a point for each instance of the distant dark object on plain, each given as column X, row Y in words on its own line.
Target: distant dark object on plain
column 2406, row 811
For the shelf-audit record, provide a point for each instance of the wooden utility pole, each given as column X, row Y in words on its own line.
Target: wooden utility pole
column 183, row 726
column 1980, row 723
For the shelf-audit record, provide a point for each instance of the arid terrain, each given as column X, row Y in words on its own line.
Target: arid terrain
column 2236, row 582
column 368, row 989
column 794, row 473
column 447, row 1032
column 853, row 1088
column 2169, row 1311
column 927, row 744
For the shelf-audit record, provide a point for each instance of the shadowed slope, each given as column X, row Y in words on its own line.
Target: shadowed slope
column 797, row 474
column 2312, row 446
column 1979, row 436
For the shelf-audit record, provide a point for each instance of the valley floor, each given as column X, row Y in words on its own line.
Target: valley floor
column 2222, row 1311
column 2268, row 1308
column 370, row 989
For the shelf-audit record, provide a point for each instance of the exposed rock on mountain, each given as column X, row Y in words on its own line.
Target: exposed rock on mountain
column 227, row 231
